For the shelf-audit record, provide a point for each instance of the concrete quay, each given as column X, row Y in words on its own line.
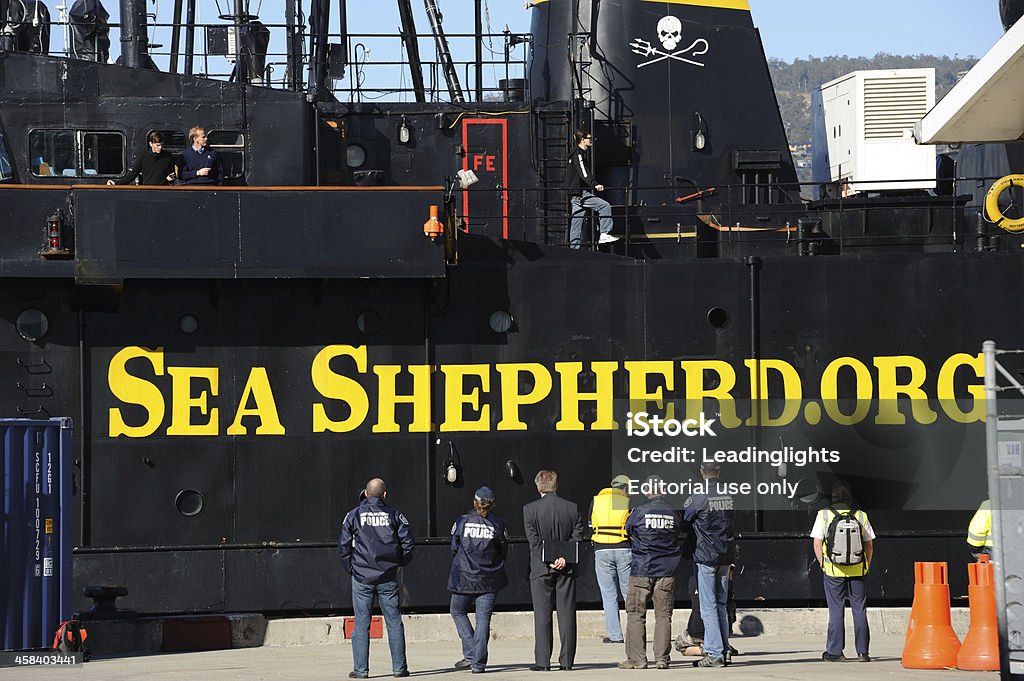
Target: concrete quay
column 779, row 657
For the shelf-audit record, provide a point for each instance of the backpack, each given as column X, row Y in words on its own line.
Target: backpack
column 844, row 540
column 70, row 638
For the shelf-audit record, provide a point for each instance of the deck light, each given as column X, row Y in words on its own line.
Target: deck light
column 53, row 231
column 699, row 132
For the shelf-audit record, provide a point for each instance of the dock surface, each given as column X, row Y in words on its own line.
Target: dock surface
column 774, row 657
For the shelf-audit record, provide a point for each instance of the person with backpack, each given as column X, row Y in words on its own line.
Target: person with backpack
column 843, row 543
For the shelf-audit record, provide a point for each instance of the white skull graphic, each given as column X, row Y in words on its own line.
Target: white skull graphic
column 670, row 32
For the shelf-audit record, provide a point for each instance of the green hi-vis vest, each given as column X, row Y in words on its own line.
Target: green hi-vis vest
column 611, row 508
column 979, row 532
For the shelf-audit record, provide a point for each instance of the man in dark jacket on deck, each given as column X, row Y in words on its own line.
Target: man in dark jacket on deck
column 153, row 166
column 200, row 164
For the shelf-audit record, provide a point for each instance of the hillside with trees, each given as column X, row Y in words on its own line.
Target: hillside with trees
column 795, row 81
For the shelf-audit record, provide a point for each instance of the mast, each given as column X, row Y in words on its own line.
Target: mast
column 412, row 48
column 320, row 18
column 241, row 63
column 134, row 38
column 443, row 53
column 293, row 47
column 175, row 35
column 190, row 35
column 478, row 30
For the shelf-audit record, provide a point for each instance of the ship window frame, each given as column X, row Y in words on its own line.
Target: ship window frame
column 223, row 149
column 6, row 168
column 78, row 153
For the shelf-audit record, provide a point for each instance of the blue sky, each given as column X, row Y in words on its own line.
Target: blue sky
column 789, row 28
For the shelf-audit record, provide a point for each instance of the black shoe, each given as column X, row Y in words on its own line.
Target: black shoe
column 563, row 668
column 478, row 671
column 464, row 663
column 733, row 651
column 539, row 668
column 401, row 674
column 863, row 657
column 611, row 640
column 727, row 657
column 357, row 675
column 833, row 658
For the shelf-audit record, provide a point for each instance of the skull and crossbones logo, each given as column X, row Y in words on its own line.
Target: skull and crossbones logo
column 670, row 33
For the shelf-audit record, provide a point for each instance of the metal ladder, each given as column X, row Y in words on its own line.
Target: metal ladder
column 553, row 133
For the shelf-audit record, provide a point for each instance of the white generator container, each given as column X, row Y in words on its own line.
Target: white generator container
column 863, row 131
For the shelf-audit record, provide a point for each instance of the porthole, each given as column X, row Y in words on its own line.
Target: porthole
column 355, row 156
column 368, row 322
column 718, row 318
column 501, row 321
column 32, row 325
column 188, row 323
column 189, row 502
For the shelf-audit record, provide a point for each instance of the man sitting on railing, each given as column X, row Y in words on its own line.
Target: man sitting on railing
column 580, row 181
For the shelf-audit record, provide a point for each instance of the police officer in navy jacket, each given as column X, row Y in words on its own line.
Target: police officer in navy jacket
column 654, row 529
column 375, row 541
column 711, row 517
column 479, row 545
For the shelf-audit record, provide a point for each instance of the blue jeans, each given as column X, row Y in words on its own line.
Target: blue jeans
column 612, row 569
column 474, row 642
column 362, row 601
column 580, row 204
column 713, row 587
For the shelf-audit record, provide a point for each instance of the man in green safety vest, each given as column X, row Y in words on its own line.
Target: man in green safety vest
column 979, row 532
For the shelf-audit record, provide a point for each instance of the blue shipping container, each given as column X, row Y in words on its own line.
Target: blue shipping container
column 35, row 573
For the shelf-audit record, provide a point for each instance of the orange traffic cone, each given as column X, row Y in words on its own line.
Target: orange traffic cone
column 931, row 642
column 980, row 651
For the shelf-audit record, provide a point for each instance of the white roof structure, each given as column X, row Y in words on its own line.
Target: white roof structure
column 987, row 105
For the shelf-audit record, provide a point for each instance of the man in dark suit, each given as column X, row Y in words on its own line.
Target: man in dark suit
column 552, row 583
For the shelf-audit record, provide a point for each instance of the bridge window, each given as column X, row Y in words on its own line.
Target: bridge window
column 76, row 153
column 230, row 146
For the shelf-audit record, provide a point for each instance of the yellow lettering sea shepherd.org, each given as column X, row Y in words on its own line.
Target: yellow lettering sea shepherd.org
column 347, row 392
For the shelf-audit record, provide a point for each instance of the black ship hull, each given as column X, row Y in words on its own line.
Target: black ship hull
column 239, row 360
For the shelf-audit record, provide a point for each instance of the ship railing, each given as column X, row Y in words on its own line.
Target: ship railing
column 725, row 213
column 694, row 217
column 362, row 66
